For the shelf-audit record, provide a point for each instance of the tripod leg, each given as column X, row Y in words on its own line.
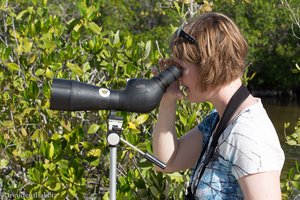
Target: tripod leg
column 113, row 173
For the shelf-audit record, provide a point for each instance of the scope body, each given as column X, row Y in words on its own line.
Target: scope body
column 139, row 95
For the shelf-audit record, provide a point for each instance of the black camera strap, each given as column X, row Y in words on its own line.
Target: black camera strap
column 236, row 100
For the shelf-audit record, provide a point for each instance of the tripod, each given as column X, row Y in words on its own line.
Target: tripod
column 113, row 138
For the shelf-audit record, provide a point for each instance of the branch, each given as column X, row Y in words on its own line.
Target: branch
column 294, row 14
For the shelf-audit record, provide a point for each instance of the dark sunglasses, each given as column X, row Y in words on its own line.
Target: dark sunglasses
column 182, row 34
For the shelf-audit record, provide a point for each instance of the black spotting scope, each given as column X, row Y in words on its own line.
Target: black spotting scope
column 140, row 95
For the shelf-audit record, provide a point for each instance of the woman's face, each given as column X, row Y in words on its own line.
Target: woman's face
column 190, row 82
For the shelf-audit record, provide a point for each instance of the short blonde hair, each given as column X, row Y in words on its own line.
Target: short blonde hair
column 220, row 52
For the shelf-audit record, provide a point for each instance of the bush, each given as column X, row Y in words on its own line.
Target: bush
column 273, row 50
column 291, row 184
column 65, row 154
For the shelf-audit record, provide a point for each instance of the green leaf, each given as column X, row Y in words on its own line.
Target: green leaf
column 45, row 2
column 286, row 125
column 86, row 67
column 37, row 134
column 106, row 196
column 116, row 37
column 141, row 119
column 24, row 132
column 93, row 129
column 63, row 164
column 292, row 142
column 56, row 187
column 31, row 9
column 33, row 174
column 86, row 145
column 28, row 111
column 147, row 49
column 51, row 151
column 104, row 63
column 13, row 66
column 297, row 66
column 72, row 192
column 39, row 72
column 20, row 15
column 296, row 184
column 94, row 27
column 95, row 163
column 8, row 124
column 297, row 177
column 177, row 6
column 44, row 148
column 94, row 153
column 7, row 52
column 154, row 190
column 183, row 118
column 192, row 119
column 74, row 68
column 26, row 45
column 51, row 166
column 56, row 66
column 3, row 163
column 66, row 125
column 56, row 136
column 49, row 73
column 128, row 41
column 176, row 176
column 77, row 27
column 32, row 91
column 32, row 59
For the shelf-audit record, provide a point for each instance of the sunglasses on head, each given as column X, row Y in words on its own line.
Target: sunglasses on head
column 184, row 35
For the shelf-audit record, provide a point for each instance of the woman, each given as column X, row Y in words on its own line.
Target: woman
column 248, row 159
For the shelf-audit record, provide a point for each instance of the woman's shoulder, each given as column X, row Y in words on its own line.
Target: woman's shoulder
column 254, row 121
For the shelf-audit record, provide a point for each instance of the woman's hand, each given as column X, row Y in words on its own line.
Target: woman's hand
column 173, row 92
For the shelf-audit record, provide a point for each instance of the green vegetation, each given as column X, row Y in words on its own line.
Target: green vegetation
column 291, row 185
column 273, row 51
column 65, row 154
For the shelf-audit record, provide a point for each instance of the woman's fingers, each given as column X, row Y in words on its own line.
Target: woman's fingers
column 165, row 63
column 154, row 71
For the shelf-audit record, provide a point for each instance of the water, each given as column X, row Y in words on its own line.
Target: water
column 280, row 112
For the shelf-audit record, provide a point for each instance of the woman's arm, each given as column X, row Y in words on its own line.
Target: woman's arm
column 264, row 185
column 178, row 154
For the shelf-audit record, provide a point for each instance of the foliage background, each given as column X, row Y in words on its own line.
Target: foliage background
column 65, row 154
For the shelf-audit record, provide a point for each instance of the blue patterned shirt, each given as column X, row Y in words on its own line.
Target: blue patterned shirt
column 247, row 146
